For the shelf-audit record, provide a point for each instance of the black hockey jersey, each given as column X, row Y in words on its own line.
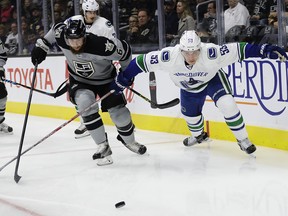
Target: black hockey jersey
column 94, row 65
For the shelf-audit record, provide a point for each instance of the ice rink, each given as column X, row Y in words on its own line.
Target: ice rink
column 59, row 177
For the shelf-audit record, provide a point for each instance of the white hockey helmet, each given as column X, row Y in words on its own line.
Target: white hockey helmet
column 190, row 41
column 90, row 5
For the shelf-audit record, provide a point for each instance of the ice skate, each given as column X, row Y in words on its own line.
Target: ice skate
column 81, row 131
column 134, row 147
column 190, row 141
column 5, row 129
column 103, row 154
column 247, row 146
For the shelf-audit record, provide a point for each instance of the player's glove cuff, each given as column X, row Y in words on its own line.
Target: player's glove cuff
column 43, row 44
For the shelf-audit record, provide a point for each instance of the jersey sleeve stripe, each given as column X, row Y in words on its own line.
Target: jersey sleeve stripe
column 140, row 61
column 241, row 48
column 3, row 56
column 127, row 49
column 225, row 82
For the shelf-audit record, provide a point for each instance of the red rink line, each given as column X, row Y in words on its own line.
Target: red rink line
column 19, row 208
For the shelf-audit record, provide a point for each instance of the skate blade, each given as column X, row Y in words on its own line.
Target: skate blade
column 4, row 133
column 104, row 161
column 208, row 140
column 252, row 155
column 82, row 136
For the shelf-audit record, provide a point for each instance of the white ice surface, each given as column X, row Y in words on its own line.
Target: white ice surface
column 59, row 177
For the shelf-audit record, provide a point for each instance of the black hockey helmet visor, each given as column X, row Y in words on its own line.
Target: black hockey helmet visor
column 75, row 29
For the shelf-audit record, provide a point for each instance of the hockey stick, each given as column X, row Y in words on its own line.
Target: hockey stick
column 16, row 176
column 155, row 104
column 60, row 90
column 168, row 104
column 57, row 129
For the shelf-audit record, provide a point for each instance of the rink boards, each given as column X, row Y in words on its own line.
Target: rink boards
column 260, row 88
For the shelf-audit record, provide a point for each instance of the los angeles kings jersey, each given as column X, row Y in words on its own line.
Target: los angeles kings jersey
column 192, row 78
column 94, row 65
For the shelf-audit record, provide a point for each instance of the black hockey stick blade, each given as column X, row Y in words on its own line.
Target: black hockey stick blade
column 17, row 177
column 169, row 104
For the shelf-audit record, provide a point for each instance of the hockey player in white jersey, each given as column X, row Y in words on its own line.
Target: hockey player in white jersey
column 89, row 58
column 196, row 68
column 97, row 25
column 4, row 128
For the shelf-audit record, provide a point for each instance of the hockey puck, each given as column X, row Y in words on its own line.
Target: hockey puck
column 120, row 204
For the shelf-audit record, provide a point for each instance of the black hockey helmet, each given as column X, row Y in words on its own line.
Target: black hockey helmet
column 75, row 29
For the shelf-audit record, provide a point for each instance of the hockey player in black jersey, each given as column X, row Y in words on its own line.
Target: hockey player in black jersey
column 89, row 58
column 97, row 25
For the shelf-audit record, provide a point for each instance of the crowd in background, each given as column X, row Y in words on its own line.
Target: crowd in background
column 31, row 22
column 244, row 20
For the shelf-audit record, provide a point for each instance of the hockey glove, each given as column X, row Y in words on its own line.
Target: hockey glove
column 120, row 83
column 2, row 74
column 273, row 52
column 39, row 51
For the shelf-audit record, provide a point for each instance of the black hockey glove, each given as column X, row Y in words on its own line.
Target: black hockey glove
column 2, row 74
column 120, row 83
column 39, row 51
column 273, row 52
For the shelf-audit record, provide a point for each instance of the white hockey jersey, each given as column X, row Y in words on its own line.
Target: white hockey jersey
column 191, row 78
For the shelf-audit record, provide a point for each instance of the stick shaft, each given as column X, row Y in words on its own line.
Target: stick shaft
column 28, row 87
column 16, row 176
column 142, row 96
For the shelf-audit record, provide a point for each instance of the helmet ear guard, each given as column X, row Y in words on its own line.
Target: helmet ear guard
column 75, row 29
column 190, row 41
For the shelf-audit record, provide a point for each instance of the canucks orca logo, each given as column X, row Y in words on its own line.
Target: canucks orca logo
column 212, row 54
column 192, row 81
column 188, row 84
column 165, row 56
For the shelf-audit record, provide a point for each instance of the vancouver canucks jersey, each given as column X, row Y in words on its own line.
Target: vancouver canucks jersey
column 192, row 78
column 94, row 65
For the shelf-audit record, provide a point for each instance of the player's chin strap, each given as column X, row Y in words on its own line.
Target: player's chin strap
column 168, row 104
